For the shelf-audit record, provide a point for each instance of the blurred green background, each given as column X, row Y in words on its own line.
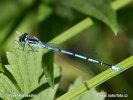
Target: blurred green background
column 47, row 19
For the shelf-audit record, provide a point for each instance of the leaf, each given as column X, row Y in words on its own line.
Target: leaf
column 26, row 69
column 1, row 68
column 49, row 94
column 92, row 94
column 47, row 62
column 7, row 88
column 99, row 9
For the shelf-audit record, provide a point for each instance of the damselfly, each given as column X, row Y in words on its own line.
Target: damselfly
column 33, row 41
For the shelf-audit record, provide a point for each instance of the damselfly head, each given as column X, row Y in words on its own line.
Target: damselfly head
column 23, row 38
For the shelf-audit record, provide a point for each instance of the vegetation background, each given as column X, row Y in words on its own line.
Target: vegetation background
column 98, row 29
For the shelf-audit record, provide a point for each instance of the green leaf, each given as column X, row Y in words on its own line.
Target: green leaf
column 100, row 9
column 49, row 94
column 7, row 88
column 92, row 94
column 1, row 68
column 47, row 62
column 26, row 69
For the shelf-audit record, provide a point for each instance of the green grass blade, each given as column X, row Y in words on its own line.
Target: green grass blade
column 73, row 31
column 99, row 79
column 120, row 3
column 92, row 94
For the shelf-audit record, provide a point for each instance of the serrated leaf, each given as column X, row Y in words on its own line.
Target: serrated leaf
column 26, row 69
column 91, row 94
column 7, row 88
column 100, row 9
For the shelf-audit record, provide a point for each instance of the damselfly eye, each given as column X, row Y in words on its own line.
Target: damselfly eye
column 25, row 34
column 23, row 37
